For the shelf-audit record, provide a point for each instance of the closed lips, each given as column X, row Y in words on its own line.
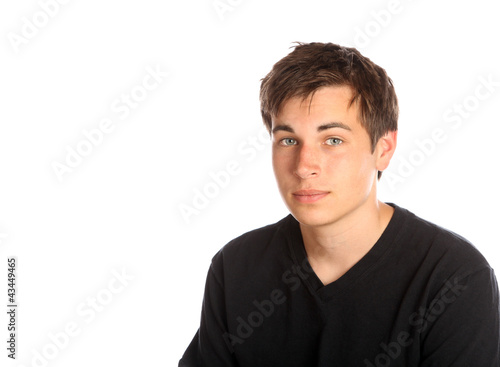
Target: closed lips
column 309, row 192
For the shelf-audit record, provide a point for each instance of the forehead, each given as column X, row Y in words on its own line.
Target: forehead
column 323, row 105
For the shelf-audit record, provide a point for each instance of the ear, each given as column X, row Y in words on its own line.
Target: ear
column 384, row 149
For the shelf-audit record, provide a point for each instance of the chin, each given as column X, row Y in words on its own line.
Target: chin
column 311, row 216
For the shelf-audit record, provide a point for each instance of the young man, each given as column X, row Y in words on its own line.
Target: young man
column 344, row 280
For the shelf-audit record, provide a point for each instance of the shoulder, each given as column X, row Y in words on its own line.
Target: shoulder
column 441, row 245
column 252, row 244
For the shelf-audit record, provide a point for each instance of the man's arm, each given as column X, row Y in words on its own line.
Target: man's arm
column 208, row 348
column 463, row 323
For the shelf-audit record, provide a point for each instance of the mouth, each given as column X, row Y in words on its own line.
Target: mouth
column 309, row 196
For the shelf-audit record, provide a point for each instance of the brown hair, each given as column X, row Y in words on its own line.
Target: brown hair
column 311, row 66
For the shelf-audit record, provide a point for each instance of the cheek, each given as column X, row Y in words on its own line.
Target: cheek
column 281, row 158
column 337, row 165
column 354, row 169
column 280, row 165
column 275, row 162
column 365, row 172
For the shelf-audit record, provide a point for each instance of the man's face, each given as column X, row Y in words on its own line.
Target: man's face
column 322, row 157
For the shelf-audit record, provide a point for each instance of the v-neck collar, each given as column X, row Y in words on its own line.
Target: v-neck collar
column 359, row 270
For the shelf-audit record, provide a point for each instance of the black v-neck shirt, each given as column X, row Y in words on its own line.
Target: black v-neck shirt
column 422, row 296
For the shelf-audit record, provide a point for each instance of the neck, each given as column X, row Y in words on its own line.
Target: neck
column 334, row 248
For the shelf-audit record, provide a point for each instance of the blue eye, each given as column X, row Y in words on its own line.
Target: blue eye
column 288, row 141
column 334, row 141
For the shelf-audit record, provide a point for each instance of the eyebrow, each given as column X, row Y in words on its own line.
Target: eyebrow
column 321, row 128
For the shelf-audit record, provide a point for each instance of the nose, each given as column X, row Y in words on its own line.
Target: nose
column 307, row 164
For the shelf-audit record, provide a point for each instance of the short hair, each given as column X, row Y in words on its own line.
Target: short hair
column 311, row 66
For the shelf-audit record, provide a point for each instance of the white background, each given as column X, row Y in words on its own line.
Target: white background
column 119, row 208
